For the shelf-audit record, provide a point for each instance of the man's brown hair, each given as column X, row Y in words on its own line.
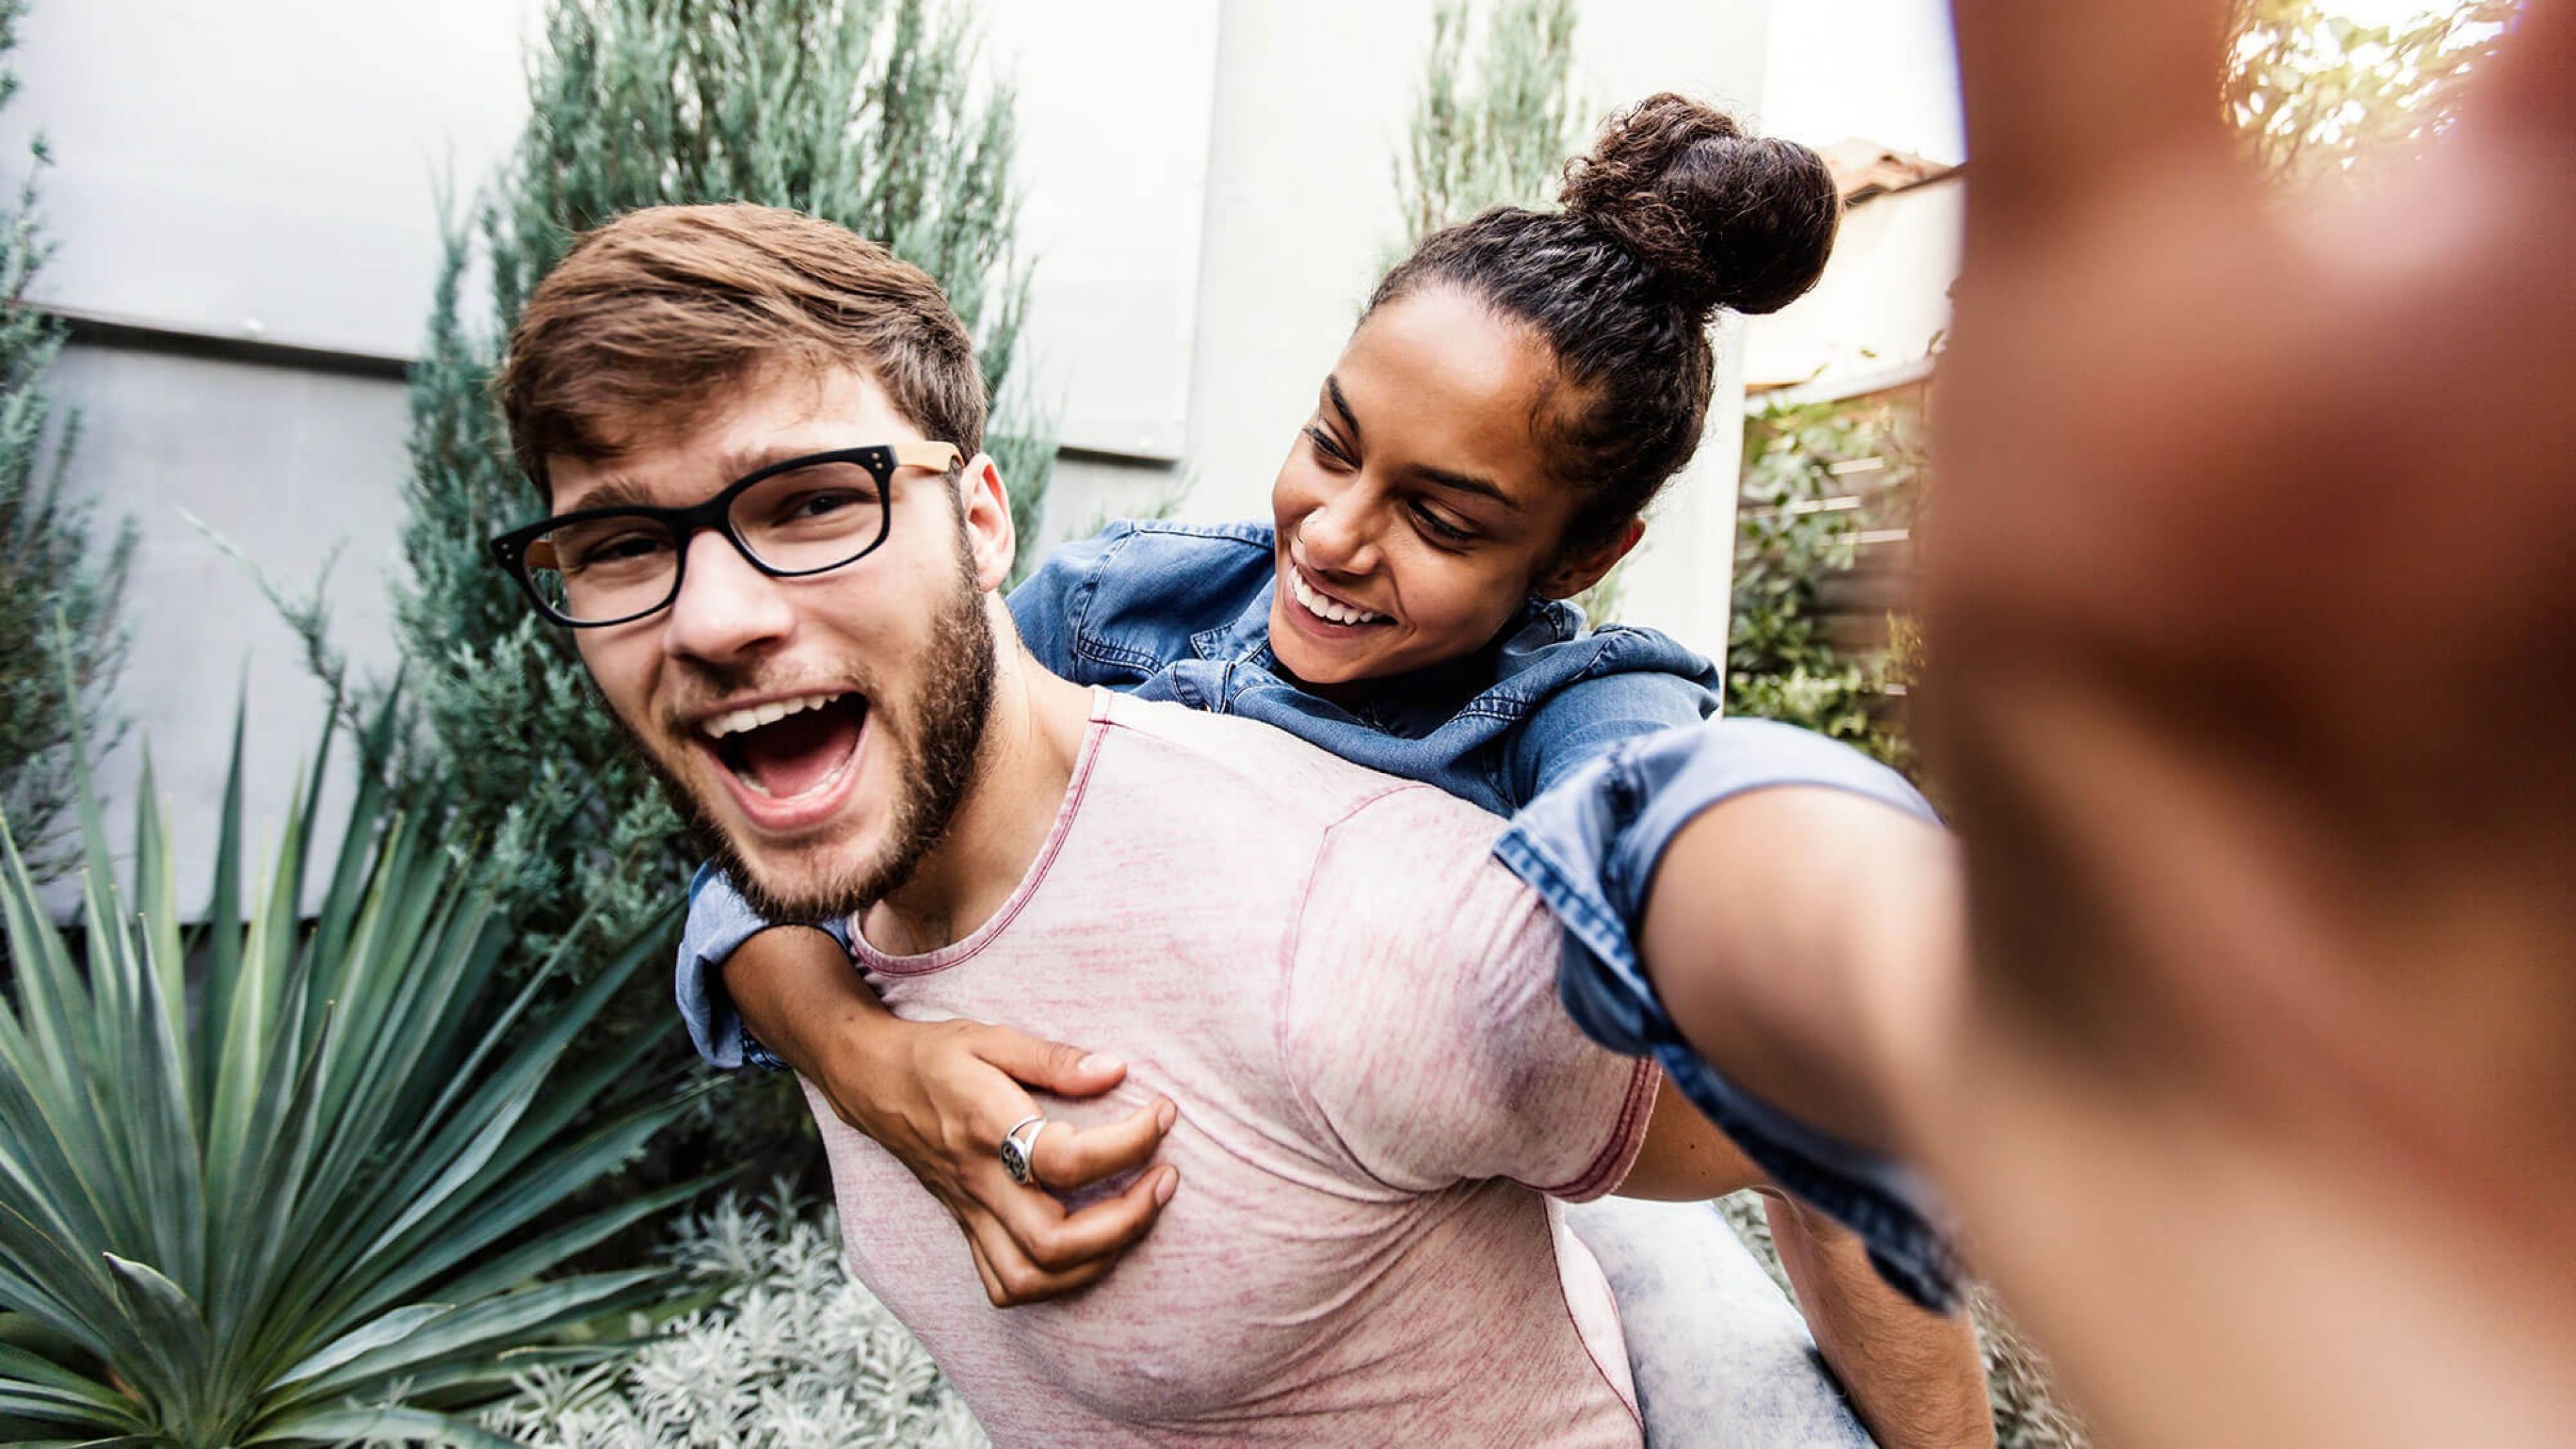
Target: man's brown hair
column 651, row 318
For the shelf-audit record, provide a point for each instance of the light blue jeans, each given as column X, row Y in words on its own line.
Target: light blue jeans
column 1721, row 1358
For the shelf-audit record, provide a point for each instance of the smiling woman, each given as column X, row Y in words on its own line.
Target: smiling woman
column 1520, row 389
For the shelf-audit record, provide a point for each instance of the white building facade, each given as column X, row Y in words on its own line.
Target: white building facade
column 247, row 200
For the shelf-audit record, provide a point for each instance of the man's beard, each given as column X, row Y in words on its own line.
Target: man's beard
column 946, row 736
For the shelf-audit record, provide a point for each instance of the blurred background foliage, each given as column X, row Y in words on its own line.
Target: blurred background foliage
column 1823, row 484
column 1492, row 131
column 2319, row 97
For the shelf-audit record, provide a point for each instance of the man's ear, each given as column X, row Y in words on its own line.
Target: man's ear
column 1577, row 572
column 991, row 540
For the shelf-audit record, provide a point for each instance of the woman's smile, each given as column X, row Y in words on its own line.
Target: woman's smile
column 1323, row 603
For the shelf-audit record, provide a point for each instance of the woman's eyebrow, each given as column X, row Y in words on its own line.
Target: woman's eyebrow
column 1342, row 405
column 1467, row 483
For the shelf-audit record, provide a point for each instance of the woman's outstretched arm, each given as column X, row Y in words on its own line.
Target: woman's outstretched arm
column 1914, row 1376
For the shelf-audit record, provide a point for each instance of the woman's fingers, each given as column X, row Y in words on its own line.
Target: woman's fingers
column 2065, row 101
column 1048, row 1066
column 1065, row 1156
column 1031, row 1249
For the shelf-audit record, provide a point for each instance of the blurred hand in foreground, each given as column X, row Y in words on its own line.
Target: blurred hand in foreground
column 2252, row 622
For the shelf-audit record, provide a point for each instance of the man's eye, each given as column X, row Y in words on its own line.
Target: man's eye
column 818, row 505
column 615, row 550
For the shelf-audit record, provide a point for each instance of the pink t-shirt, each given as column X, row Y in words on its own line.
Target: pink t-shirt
column 1355, row 1008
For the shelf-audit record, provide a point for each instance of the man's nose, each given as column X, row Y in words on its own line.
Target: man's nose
column 726, row 610
column 1340, row 534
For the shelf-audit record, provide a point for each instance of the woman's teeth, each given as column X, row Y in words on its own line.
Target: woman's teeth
column 1324, row 608
column 754, row 716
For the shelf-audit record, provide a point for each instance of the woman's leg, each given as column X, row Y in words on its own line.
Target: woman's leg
column 1721, row 1358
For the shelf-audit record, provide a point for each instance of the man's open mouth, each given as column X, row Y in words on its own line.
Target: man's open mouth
column 788, row 749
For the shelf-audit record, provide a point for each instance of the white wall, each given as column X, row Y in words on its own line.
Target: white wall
column 1884, row 300
column 288, row 465
column 269, row 168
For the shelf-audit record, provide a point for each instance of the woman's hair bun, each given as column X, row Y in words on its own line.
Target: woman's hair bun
column 1728, row 220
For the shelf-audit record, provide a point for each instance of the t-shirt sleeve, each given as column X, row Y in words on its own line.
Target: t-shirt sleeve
column 1422, row 1025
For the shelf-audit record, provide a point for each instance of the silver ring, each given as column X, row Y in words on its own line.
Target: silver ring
column 1015, row 1153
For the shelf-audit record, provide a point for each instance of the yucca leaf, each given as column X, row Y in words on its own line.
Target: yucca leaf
column 156, row 899
column 380, row 1425
column 31, row 1379
column 476, row 1224
column 543, row 1254
column 480, row 1327
column 60, row 1406
column 378, row 1332
column 172, row 1331
column 52, row 999
column 222, row 932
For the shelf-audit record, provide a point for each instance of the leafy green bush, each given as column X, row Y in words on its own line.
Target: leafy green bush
column 2317, row 97
column 1797, row 522
column 1494, row 133
column 291, row 1180
column 53, row 570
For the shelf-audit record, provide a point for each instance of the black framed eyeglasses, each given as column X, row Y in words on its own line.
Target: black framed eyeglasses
column 807, row 515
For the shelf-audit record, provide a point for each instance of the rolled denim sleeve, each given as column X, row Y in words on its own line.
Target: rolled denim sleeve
column 720, row 920
column 1590, row 846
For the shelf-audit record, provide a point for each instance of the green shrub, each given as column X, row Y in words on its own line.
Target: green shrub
column 290, row 1179
column 1796, row 521
column 1494, row 133
column 58, row 579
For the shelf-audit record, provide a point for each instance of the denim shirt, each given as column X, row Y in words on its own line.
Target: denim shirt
column 1181, row 612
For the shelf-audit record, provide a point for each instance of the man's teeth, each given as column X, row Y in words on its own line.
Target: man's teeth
column 752, row 782
column 752, row 717
column 1324, row 608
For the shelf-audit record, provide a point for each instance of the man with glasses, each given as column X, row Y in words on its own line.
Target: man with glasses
column 781, row 553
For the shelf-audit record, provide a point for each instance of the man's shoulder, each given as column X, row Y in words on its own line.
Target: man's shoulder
column 1292, row 782
column 1379, row 855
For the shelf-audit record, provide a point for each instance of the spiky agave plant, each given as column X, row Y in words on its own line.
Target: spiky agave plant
column 287, row 1180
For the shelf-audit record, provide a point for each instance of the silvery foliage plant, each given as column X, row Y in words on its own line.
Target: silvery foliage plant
column 793, row 1353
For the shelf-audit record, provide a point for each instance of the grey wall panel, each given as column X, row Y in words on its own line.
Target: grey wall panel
column 288, row 465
